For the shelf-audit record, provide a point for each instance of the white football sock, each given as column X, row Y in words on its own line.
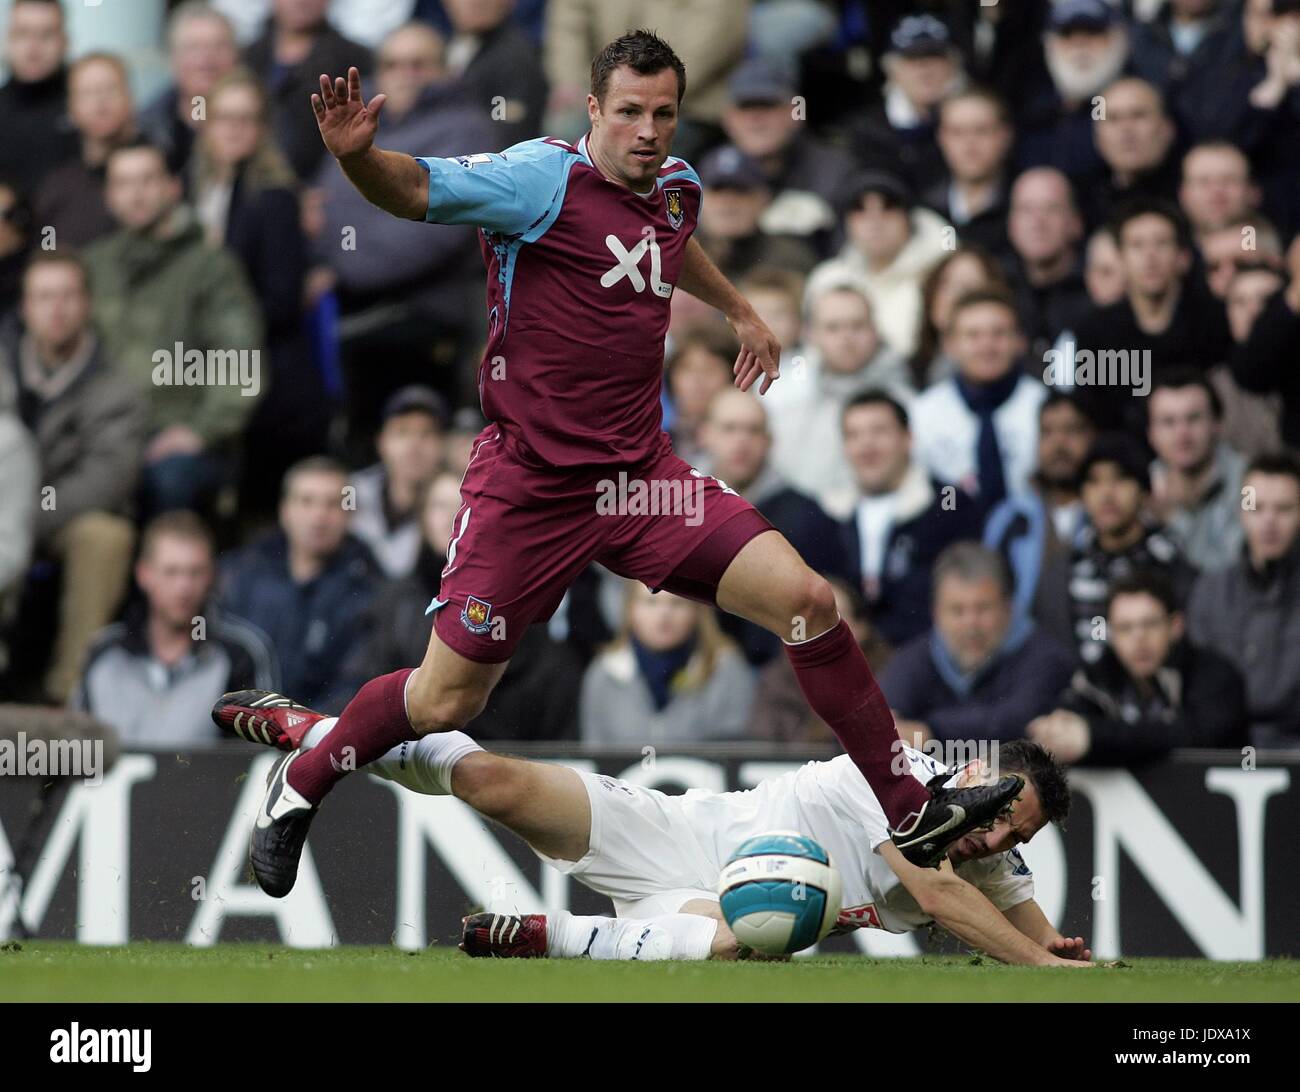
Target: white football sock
column 422, row 765
column 670, row 936
column 317, row 732
column 425, row 764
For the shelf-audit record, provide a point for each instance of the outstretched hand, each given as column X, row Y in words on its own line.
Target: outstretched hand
column 347, row 123
column 760, row 352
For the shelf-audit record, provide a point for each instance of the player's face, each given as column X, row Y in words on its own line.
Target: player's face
column 1025, row 820
column 632, row 130
column 1141, row 631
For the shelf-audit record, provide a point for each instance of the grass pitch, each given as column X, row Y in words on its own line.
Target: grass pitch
column 58, row 971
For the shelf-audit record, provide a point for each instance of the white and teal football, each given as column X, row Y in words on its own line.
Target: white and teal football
column 780, row 893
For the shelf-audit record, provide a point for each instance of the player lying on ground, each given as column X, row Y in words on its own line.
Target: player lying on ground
column 657, row 857
column 584, row 246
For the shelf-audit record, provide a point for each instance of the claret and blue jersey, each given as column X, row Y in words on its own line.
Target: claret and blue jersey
column 580, row 274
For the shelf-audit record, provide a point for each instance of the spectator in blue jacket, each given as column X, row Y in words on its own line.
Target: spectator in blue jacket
column 308, row 585
column 981, row 672
column 902, row 520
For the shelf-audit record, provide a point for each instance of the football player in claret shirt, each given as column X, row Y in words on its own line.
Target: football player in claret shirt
column 584, row 244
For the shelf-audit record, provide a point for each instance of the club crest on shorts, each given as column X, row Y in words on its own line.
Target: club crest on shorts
column 476, row 615
column 673, row 202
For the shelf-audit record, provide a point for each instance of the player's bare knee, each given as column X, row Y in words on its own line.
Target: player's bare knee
column 444, row 709
column 812, row 607
column 490, row 784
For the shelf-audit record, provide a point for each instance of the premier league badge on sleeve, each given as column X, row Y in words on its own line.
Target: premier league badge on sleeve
column 673, row 199
column 476, row 615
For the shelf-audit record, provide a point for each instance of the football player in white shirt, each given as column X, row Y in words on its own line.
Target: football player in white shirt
column 658, row 857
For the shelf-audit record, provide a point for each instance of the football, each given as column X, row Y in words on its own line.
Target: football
column 780, row 893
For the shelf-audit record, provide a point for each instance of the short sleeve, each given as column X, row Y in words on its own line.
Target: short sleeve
column 1008, row 881
column 508, row 192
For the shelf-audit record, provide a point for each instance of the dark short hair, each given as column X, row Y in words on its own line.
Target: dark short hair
column 644, row 52
column 1151, row 206
column 1042, row 771
column 876, row 398
column 1181, row 376
column 1143, row 582
column 1056, row 397
column 1276, row 464
column 1124, row 452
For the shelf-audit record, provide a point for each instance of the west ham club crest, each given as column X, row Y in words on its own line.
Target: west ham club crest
column 673, row 200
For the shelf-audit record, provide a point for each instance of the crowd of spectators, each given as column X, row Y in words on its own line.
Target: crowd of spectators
column 1034, row 266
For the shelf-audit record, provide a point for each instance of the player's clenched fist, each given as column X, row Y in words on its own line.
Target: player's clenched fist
column 347, row 123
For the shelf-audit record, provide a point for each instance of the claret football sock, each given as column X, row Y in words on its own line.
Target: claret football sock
column 374, row 722
column 669, row 936
column 837, row 682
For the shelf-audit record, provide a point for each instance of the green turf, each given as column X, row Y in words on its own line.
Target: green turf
column 52, row 971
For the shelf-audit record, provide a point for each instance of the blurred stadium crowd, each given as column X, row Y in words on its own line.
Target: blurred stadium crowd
column 1034, row 265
